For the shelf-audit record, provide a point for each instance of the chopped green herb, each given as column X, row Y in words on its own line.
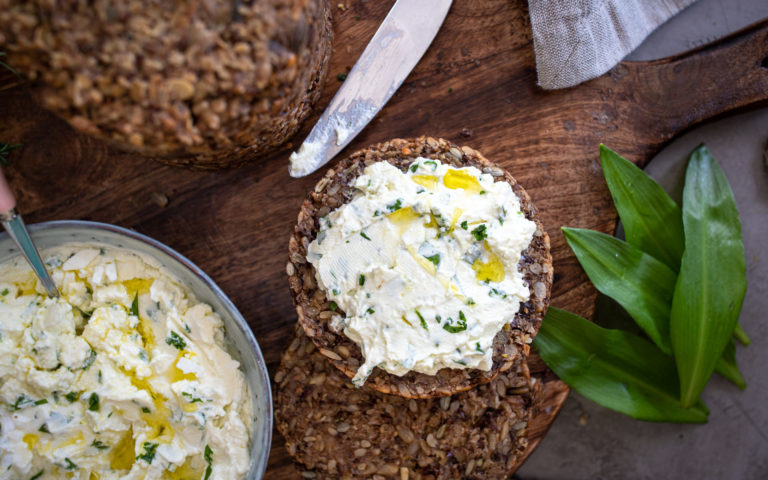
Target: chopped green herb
column 146, row 410
column 333, row 306
column 88, row 290
column 395, row 206
column 37, row 475
column 208, row 456
column 100, row 445
column 4, row 292
column 21, row 400
column 99, row 376
column 361, row 280
column 149, row 452
column 461, row 362
column 450, row 89
column 431, row 162
column 483, row 192
column 434, row 259
column 336, row 292
column 93, row 402
column 357, row 17
column 187, row 329
column 135, row 305
column 493, row 292
column 438, row 318
column 414, row 167
column 44, row 428
column 362, row 234
column 341, row 77
column 56, row 396
column 480, row 233
column 89, row 361
column 460, row 326
column 175, row 340
column 422, row 321
column 70, row 464
column 370, row 311
column 42, row 401
column 72, row 396
column 464, row 225
column 376, row 213
column 477, row 347
column 143, row 355
column 470, row 301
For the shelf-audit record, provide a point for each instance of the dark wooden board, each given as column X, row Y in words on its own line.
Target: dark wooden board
column 475, row 86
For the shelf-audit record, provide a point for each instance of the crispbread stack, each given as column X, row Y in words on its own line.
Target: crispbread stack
column 417, row 425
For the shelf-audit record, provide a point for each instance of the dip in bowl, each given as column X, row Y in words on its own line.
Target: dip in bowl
column 142, row 369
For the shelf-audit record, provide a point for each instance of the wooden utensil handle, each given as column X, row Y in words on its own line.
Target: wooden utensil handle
column 730, row 74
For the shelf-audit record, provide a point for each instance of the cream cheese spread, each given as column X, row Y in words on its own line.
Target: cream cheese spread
column 124, row 376
column 424, row 265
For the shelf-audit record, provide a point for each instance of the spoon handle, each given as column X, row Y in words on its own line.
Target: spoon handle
column 14, row 225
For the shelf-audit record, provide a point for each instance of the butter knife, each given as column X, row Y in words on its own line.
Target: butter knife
column 398, row 45
column 14, row 225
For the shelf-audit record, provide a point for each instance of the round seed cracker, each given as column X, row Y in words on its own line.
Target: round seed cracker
column 334, row 430
column 336, row 188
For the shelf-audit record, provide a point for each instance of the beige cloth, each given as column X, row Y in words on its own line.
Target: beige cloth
column 576, row 40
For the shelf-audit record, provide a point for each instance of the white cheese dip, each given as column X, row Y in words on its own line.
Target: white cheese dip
column 124, row 376
column 424, row 264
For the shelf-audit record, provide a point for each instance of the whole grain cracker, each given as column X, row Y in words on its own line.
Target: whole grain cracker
column 315, row 313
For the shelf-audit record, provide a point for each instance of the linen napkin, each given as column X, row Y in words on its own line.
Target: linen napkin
column 576, row 40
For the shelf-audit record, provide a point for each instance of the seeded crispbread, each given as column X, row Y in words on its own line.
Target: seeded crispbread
column 336, row 188
column 202, row 84
column 334, row 430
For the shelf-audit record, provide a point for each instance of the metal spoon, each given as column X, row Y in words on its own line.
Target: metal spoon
column 14, row 225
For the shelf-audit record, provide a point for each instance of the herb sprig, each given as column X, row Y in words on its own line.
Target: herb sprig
column 5, row 149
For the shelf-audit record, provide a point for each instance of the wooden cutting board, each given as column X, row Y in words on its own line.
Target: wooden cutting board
column 476, row 86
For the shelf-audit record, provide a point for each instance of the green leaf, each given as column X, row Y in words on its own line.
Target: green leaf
column 741, row 335
column 712, row 280
column 652, row 221
column 728, row 368
column 637, row 281
column 613, row 368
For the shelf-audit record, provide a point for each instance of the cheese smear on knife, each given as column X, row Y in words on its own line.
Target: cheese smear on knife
column 424, row 265
column 124, row 376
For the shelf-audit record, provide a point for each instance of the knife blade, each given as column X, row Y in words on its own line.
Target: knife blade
column 398, row 45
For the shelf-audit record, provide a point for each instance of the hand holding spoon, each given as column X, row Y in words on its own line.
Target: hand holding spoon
column 14, row 225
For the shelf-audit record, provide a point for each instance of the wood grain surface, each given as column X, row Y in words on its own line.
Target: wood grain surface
column 476, row 86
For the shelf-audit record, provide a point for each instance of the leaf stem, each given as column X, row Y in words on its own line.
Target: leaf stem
column 741, row 335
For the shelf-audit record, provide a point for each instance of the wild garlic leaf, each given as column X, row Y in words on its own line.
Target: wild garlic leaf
column 613, row 368
column 712, row 281
column 652, row 221
column 741, row 335
column 637, row 281
column 728, row 368
column 642, row 285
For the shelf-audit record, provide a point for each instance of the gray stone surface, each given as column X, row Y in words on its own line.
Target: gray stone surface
column 590, row 442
